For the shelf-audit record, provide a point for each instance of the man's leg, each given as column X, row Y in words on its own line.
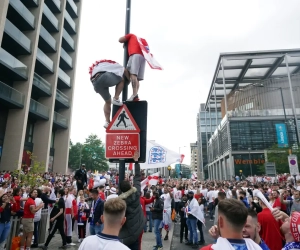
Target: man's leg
column 135, row 84
column 107, row 110
column 118, row 90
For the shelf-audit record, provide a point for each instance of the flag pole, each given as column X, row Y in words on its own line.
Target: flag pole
column 125, row 89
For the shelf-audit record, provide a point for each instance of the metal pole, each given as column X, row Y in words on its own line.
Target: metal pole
column 292, row 97
column 218, row 141
column 283, row 106
column 125, row 89
column 250, row 162
column 228, row 127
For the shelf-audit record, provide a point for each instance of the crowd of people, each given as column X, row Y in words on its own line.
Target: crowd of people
column 246, row 214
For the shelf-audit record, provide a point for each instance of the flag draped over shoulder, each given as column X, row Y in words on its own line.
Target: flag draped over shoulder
column 151, row 179
column 148, row 56
column 194, row 209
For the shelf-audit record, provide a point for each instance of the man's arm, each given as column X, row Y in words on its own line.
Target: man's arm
column 34, row 209
column 123, row 39
column 137, row 175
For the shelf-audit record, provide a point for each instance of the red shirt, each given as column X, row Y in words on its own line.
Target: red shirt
column 278, row 203
column 133, row 45
column 27, row 212
column 102, row 195
column 270, row 229
column 17, row 205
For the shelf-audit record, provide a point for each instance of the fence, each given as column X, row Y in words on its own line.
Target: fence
column 15, row 228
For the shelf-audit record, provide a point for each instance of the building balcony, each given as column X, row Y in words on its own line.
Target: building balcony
column 44, row 65
column 38, row 111
column 54, row 5
column 14, row 41
column 66, row 61
column 69, row 23
column 64, row 81
column 30, row 3
column 68, row 43
column 47, row 42
column 49, row 21
column 61, row 100
column 10, row 97
column 71, row 8
column 20, row 16
column 12, row 67
column 59, row 121
column 41, row 86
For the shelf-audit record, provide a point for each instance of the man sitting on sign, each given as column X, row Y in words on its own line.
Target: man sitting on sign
column 105, row 74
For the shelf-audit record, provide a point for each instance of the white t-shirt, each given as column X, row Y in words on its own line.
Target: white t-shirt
column 103, row 242
column 204, row 192
column 115, row 68
column 167, row 200
column 210, row 196
column 177, row 195
column 38, row 214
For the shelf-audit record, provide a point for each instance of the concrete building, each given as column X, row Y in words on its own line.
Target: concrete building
column 258, row 95
column 194, row 156
column 37, row 73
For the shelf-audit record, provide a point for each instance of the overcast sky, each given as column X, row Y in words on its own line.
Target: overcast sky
column 186, row 38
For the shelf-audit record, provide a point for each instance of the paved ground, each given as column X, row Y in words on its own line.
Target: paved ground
column 148, row 239
column 176, row 245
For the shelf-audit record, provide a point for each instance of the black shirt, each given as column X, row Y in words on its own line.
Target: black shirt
column 56, row 208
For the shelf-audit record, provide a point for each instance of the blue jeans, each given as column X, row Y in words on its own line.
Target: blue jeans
column 148, row 217
column 192, row 226
column 4, row 231
column 96, row 229
column 211, row 210
column 157, row 223
column 36, row 231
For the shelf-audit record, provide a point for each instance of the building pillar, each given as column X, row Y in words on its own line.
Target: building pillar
column 43, row 129
column 62, row 137
column 17, row 118
column 3, row 10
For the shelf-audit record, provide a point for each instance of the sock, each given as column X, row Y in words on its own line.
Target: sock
column 21, row 248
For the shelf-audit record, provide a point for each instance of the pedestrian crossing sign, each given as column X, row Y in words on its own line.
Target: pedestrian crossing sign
column 123, row 122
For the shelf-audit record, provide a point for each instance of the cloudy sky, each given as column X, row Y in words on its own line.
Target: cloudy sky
column 186, row 38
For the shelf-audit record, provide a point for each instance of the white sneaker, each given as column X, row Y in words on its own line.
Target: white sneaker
column 133, row 98
column 106, row 124
column 79, row 240
column 71, row 244
column 117, row 102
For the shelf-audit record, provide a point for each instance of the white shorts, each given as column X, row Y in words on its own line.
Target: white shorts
column 136, row 66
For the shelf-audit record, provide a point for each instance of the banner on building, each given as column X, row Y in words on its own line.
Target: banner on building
column 282, row 138
column 158, row 156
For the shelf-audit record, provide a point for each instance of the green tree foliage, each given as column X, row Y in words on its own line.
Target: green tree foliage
column 91, row 153
column 32, row 177
column 280, row 157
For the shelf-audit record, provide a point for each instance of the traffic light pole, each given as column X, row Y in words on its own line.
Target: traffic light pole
column 125, row 89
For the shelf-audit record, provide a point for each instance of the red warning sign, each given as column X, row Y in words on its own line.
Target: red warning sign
column 121, row 145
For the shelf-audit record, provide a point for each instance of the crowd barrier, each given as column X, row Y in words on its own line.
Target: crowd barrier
column 15, row 228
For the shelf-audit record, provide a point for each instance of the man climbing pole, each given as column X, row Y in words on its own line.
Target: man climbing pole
column 136, row 63
column 103, row 75
column 139, row 52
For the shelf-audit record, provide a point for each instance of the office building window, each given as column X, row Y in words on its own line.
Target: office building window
column 29, row 132
column 52, row 139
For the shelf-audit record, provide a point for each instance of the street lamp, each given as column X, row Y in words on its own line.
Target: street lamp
column 169, row 168
column 249, row 149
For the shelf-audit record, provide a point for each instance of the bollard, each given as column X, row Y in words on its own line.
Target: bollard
column 14, row 230
column 43, row 227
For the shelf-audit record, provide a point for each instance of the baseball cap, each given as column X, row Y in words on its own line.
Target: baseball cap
column 295, row 226
column 113, row 190
column 190, row 192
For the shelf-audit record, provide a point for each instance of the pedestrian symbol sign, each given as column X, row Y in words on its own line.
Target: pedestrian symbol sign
column 123, row 122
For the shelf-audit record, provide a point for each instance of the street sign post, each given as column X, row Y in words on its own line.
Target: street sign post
column 293, row 164
column 270, row 168
column 122, row 145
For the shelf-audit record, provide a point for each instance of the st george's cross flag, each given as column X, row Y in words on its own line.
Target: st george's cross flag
column 151, row 179
column 148, row 56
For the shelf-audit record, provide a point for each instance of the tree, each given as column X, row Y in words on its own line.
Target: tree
column 280, row 157
column 32, row 178
column 91, row 153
